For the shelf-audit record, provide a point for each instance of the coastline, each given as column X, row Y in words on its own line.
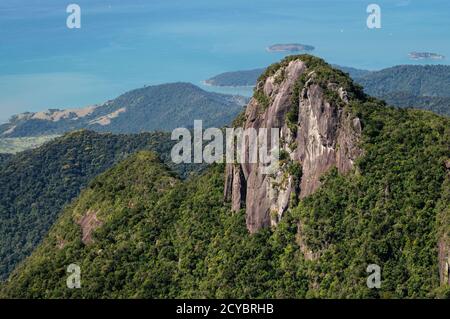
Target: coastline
column 204, row 82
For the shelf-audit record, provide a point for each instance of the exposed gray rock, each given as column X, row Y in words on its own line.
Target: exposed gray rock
column 327, row 136
column 89, row 223
column 228, row 189
column 238, row 195
column 444, row 260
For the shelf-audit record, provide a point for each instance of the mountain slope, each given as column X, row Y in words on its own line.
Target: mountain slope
column 35, row 185
column 428, row 80
column 138, row 203
column 353, row 72
column 237, row 78
column 436, row 104
column 250, row 77
column 371, row 185
column 423, row 87
column 159, row 237
column 153, row 108
column 417, row 80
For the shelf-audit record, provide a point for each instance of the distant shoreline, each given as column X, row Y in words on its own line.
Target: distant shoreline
column 290, row 47
column 206, row 83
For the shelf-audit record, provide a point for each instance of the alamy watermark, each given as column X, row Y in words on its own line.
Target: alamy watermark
column 374, row 18
column 74, row 19
column 374, row 279
column 74, row 279
column 243, row 146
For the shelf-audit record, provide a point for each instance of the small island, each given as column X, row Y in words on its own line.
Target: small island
column 290, row 47
column 425, row 56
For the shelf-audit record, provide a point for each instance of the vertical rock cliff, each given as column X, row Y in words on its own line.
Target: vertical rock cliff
column 443, row 220
column 306, row 100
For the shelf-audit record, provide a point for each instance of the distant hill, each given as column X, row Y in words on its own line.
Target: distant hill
column 353, row 72
column 249, row 77
column 423, row 87
column 161, row 107
column 438, row 105
column 36, row 184
column 237, row 78
column 418, row 80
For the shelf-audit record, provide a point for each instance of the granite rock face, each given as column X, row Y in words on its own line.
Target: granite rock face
column 328, row 137
column 323, row 135
column 444, row 243
column 444, row 260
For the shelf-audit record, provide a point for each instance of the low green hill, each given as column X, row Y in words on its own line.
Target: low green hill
column 152, row 108
column 418, row 80
column 35, row 185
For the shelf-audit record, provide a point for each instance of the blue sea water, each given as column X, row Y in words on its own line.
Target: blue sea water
column 131, row 43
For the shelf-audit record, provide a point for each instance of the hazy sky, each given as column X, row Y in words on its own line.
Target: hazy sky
column 126, row 44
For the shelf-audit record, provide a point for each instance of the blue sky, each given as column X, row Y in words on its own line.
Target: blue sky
column 127, row 44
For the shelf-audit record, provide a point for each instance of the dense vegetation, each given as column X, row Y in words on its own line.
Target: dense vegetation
column 436, row 104
column 35, row 185
column 353, row 72
column 386, row 213
column 423, row 87
column 406, row 86
column 168, row 106
column 20, row 144
column 249, row 77
column 161, row 107
column 428, row 80
column 160, row 237
column 4, row 157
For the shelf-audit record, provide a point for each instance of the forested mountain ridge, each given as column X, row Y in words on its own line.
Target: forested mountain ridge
column 424, row 87
column 153, row 108
column 436, row 104
column 250, row 77
column 236, row 78
column 35, row 185
column 351, row 166
column 154, row 236
column 418, row 80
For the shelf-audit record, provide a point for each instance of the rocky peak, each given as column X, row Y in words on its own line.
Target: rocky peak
column 307, row 100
